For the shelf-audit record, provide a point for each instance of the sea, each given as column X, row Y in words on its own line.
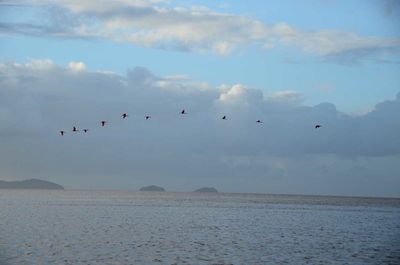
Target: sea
column 122, row 227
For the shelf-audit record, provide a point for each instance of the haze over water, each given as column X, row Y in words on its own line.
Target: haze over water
column 116, row 227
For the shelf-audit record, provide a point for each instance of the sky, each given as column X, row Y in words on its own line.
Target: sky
column 289, row 64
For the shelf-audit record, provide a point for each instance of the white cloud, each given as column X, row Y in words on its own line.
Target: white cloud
column 43, row 64
column 236, row 92
column 156, row 24
column 289, row 96
column 77, row 66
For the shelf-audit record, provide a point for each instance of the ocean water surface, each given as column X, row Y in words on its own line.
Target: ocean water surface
column 119, row 227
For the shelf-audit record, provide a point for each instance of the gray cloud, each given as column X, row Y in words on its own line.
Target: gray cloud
column 197, row 29
column 39, row 98
column 40, row 95
column 25, row 29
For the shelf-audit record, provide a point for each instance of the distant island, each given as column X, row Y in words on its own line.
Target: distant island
column 206, row 189
column 152, row 188
column 30, row 184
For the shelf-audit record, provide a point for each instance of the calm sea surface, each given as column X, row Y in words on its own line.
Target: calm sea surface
column 117, row 227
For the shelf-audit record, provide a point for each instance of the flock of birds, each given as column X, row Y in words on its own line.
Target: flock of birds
column 147, row 117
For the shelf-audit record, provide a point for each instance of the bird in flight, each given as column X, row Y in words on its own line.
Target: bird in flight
column 103, row 123
column 259, row 121
column 124, row 116
column 85, row 130
column 183, row 111
column 317, row 126
column 74, row 129
column 62, row 133
column 224, row 118
column 147, row 117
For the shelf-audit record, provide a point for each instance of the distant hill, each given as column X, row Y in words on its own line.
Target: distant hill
column 206, row 189
column 152, row 188
column 30, row 184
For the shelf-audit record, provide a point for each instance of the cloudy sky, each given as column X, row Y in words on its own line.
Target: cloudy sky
column 291, row 64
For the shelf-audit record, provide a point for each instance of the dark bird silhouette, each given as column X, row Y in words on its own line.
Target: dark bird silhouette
column 224, row 118
column 124, row 116
column 258, row 121
column 147, row 117
column 85, row 130
column 62, row 133
column 183, row 111
column 103, row 123
column 74, row 129
column 317, row 126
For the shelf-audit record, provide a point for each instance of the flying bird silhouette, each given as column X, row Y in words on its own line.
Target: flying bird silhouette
column 147, row 117
column 124, row 116
column 224, row 118
column 258, row 121
column 62, row 133
column 317, row 126
column 74, row 129
column 103, row 123
column 183, row 111
column 85, row 130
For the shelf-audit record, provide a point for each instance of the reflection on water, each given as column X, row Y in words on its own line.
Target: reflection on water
column 115, row 227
